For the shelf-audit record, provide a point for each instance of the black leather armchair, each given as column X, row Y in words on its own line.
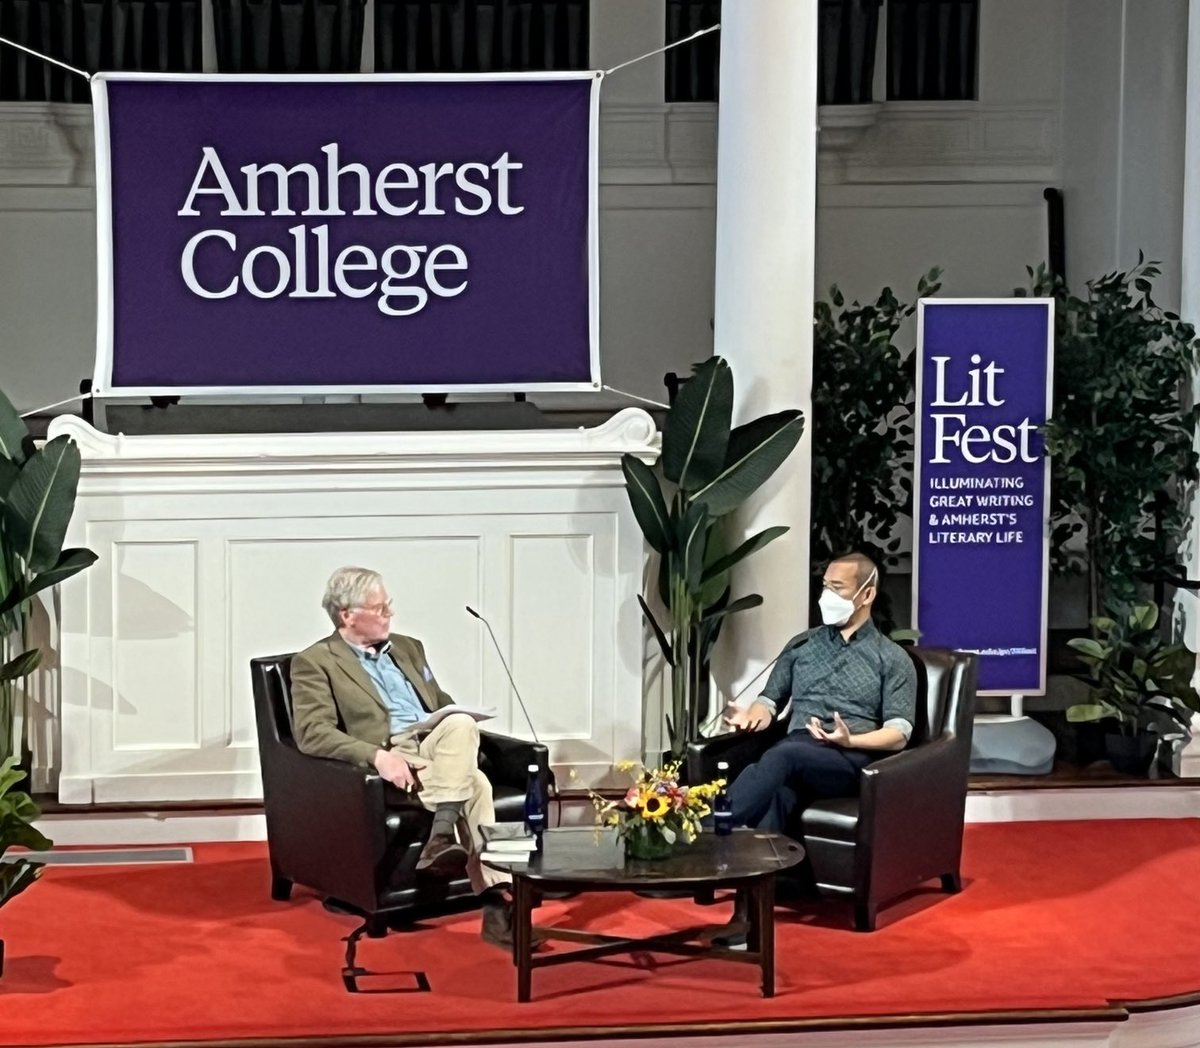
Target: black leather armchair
column 906, row 824
column 344, row 832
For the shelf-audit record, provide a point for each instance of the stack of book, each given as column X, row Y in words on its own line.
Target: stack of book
column 507, row 842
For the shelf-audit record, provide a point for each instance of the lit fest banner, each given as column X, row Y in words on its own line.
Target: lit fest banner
column 346, row 234
column 982, row 485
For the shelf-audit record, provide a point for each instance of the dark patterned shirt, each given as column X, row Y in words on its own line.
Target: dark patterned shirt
column 868, row 679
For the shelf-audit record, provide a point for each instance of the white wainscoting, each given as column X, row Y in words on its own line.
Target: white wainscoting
column 215, row 549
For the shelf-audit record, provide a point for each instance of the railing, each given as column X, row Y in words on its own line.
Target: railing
column 145, row 35
column 932, row 48
column 451, row 36
column 288, row 36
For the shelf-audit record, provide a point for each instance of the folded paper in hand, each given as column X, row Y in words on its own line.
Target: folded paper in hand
column 507, row 837
column 480, row 713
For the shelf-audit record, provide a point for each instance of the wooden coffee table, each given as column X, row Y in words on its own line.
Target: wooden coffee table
column 578, row 859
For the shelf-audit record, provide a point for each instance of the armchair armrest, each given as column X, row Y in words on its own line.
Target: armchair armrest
column 739, row 748
column 506, row 760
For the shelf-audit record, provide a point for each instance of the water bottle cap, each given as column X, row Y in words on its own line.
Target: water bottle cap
column 722, row 765
column 532, row 768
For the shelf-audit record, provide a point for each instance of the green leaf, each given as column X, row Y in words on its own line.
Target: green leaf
column 696, row 434
column 646, row 498
column 15, row 877
column 23, row 665
column 755, row 542
column 14, row 434
column 1085, row 712
column 756, row 451
column 690, row 543
column 663, row 643
column 751, row 600
column 69, row 563
column 1093, row 649
column 40, row 503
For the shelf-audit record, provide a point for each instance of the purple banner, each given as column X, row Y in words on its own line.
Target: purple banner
column 358, row 234
column 980, row 511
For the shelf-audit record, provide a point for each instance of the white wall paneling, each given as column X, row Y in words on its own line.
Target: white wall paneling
column 216, row 549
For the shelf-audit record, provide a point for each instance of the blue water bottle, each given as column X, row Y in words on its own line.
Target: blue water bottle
column 535, row 804
column 722, row 809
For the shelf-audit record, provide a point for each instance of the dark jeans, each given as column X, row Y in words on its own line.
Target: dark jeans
column 797, row 770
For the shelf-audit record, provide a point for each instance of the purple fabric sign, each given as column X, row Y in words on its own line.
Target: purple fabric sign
column 355, row 234
column 980, row 511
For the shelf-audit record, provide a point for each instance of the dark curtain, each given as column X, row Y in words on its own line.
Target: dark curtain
column 94, row 35
column 847, row 34
column 288, row 36
column 692, row 70
column 932, row 49
column 453, row 36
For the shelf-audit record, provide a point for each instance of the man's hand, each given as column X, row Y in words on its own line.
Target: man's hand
column 395, row 769
column 840, row 736
column 754, row 717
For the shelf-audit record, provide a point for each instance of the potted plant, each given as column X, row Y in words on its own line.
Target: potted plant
column 1121, row 442
column 711, row 469
column 863, row 403
column 17, row 813
column 1137, row 680
column 37, row 498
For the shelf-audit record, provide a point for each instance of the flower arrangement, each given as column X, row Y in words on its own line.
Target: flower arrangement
column 657, row 811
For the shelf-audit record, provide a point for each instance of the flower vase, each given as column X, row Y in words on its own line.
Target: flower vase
column 645, row 841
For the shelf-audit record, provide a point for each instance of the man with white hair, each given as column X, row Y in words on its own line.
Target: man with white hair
column 356, row 697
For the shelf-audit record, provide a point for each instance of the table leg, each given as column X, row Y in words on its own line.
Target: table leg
column 522, row 935
column 764, row 929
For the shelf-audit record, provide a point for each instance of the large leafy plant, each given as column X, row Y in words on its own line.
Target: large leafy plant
column 711, row 469
column 17, row 814
column 1120, row 440
column 37, row 498
column 1135, row 677
column 863, row 404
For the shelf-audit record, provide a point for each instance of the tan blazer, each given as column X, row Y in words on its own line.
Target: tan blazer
column 336, row 709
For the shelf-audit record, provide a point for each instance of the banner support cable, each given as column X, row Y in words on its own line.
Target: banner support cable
column 659, row 50
column 46, row 58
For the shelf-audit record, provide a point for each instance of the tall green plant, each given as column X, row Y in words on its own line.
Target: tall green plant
column 711, row 469
column 1120, row 440
column 17, row 813
column 37, row 498
column 863, row 403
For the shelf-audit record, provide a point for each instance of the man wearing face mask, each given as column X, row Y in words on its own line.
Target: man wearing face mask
column 852, row 693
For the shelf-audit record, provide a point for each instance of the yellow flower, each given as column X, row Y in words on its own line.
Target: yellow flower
column 654, row 807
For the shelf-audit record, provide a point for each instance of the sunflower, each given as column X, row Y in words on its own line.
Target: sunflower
column 655, row 806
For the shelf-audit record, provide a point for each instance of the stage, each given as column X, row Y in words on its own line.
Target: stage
column 1066, row 932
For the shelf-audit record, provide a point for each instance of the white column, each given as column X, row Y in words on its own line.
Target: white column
column 766, row 207
column 1189, row 306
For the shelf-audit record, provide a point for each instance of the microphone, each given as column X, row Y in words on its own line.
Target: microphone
column 504, row 662
column 708, row 729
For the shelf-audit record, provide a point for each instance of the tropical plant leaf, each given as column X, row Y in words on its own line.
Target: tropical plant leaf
column 14, row 435
column 40, row 502
column 756, row 450
column 661, row 637
column 696, row 435
column 69, row 563
column 751, row 600
column 16, row 831
column 9, row 471
column 755, row 542
column 21, row 666
column 10, row 775
column 690, row 541
column 649, row 506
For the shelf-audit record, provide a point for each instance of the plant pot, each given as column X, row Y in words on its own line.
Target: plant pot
column 1131, row 754
column 1090, row 740
column 645, row 842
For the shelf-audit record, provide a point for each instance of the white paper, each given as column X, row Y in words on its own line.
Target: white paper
column 480, row 713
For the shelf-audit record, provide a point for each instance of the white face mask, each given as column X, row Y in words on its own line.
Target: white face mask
column 836, row 609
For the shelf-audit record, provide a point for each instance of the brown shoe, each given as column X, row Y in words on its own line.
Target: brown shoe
column 442, row 857
column 497, row 924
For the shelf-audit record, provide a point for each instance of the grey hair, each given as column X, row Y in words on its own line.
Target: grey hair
column 348, row 588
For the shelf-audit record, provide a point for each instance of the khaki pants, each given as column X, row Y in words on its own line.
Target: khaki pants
column 447, row 763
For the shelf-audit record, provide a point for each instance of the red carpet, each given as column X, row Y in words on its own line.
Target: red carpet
column 1054, row 915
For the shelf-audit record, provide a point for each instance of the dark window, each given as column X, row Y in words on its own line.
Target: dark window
column 288, row 36
column 452, row 36
column 691, row 70
column 114, row 35
column 932, row 48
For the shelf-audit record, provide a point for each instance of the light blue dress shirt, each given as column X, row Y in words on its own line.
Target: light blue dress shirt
column 399, row 696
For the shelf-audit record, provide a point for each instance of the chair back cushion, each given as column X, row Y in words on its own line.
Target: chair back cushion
column 271, row 679
column 935, row 716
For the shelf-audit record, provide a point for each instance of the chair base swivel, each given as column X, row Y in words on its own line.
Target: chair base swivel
column 951, row 883
column 281, row 888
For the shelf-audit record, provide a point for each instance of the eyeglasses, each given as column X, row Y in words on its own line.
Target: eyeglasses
column 377, row 609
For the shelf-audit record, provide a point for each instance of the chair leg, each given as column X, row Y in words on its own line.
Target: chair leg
column 705, row 897
column 377, row 927
column 864, row 916
column 281, row 888
column 951, row 883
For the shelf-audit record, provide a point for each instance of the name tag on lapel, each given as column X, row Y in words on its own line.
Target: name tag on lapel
column 426, row 674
